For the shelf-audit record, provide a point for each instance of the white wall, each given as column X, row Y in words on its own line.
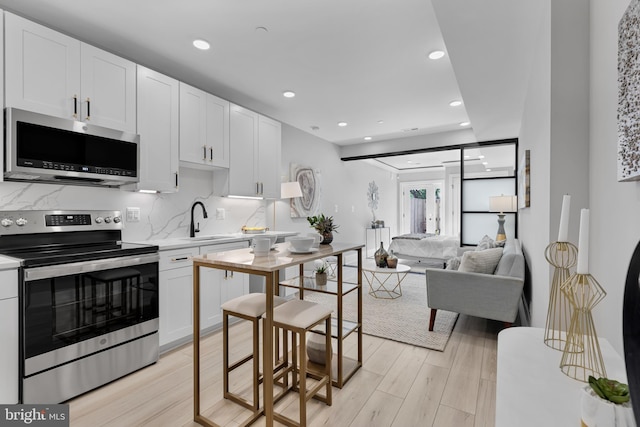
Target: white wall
column 558, row 152
column 615, row 207
column 535, row 135
column 555, row 128
column 344, row 186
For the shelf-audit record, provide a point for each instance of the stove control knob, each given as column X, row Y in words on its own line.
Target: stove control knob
column 107, row 219
column 6, row 222
column 20, row 222
column 98, row 220
column 116, row 219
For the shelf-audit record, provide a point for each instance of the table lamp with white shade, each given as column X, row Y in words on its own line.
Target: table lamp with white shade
column 502, row 204
column 288, row 190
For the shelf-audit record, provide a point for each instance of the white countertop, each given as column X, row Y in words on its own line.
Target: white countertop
column 8, row 263
column 211, row 239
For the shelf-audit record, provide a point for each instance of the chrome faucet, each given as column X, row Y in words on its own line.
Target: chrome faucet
column 192, row 229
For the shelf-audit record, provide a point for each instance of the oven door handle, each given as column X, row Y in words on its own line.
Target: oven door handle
column 50, row 271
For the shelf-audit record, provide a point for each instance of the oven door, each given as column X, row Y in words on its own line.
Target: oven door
column 75, row 309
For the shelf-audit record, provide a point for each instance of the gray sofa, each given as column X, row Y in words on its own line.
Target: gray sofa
column 491, row 296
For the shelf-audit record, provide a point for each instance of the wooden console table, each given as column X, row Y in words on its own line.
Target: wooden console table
column 531, row 390
column 243, row 261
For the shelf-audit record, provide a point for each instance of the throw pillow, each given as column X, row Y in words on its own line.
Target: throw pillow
column 453, row 263
column 484, row 261
column 485, row 243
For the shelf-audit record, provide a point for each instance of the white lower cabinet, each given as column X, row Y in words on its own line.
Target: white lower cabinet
column 176, row 292
column 9, row 337
column 219, row 286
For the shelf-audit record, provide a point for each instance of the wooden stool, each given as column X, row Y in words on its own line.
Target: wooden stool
column 249, row 307
column 299, row 317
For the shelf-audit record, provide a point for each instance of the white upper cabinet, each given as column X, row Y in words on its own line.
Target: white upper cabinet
column 268, row 164
column 204, row 129
column 158, row 100
column 243, row 181
column 108, row 89
column 50, row 73
column 254, row 168
column 218, row 130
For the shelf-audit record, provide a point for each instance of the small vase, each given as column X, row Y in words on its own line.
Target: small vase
column 327, row 237
column 321, row 279
column 392, row 260
column 381, row 256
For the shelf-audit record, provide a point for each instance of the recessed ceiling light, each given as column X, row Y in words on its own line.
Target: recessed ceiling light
column 481, row 156
column 380, row 122
column 466, row 157
column 485, row 163
column 368, row 138
column 201, row 44
column 465, row 124
column 488, row 170
column 455, row 103
column 342, row 124
column 436, row 54
column 288, row 94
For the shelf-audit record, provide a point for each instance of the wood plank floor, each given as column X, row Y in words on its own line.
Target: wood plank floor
column 399, row 385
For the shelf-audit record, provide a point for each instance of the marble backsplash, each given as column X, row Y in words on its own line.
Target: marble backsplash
column 161, row 215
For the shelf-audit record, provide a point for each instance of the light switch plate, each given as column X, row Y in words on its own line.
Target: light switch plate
column 133, row 214
column 220, row 213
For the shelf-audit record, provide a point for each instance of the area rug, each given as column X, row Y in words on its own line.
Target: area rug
column 404, row 319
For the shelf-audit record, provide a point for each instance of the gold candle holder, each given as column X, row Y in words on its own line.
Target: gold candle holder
column 563, row 256
column 582, row 356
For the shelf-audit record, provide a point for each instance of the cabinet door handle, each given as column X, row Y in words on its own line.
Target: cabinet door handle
column 184, row 258
column 204, row 152
column 88, row 109
column 257, row 188
column 176, row 179
column 75, row 106
column 211, row 153
column 261, row 188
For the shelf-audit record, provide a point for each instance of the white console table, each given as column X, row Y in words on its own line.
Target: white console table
column 531, row 389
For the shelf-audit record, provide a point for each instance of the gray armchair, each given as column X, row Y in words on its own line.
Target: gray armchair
column 491, row 296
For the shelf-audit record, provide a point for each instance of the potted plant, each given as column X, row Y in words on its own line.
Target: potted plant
column 606, row 402
column 321, row 275
column 323, row 225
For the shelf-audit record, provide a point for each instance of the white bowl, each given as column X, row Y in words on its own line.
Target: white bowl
column 301, row 244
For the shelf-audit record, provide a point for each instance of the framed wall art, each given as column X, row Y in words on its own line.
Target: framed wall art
column 309, row 180
column 629, row 94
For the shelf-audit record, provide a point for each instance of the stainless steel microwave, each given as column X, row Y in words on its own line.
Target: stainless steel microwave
column 41, row 148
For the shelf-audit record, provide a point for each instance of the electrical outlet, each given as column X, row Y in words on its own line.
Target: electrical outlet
column 220, row 213
column 133, row 214
column 336, row 208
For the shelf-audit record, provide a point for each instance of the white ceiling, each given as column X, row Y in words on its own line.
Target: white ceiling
column 359, row 61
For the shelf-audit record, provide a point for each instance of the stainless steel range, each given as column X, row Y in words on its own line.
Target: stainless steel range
column 88, row 301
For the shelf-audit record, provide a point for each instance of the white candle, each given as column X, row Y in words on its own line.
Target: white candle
column 583, row 243
column 564, row 219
